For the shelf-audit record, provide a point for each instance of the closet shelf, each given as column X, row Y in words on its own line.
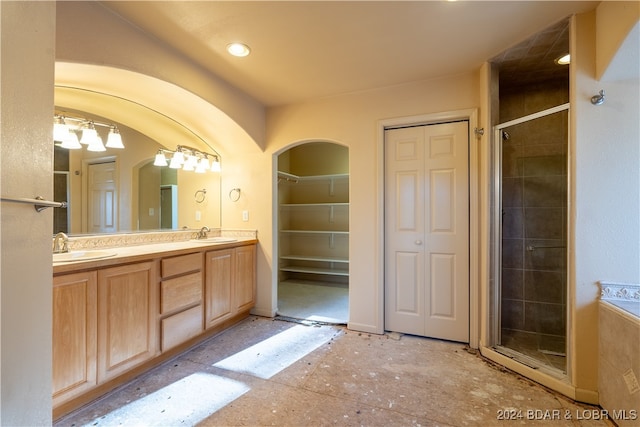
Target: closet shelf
column 314, row 227
column 315, row 232
column 315, row 258
column 289, row 177
column 316, row 270
column 313, row 205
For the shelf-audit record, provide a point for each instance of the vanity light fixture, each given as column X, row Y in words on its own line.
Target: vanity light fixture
column 66, row 129
column 188, row 159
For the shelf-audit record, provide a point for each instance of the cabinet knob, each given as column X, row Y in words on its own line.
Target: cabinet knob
column 418, row 242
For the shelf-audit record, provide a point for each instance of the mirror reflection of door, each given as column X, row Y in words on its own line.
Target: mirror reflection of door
column 169, row 207
column 61, row 189
column 102, row 197
column 157, row 198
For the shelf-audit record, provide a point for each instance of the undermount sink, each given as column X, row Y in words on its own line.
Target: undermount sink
column 215, row 240
column 82, row 256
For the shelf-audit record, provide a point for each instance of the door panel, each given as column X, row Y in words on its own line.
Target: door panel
column 103, row 198
column 427, row 231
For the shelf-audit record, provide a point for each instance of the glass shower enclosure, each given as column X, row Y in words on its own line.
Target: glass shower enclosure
column 529, row 234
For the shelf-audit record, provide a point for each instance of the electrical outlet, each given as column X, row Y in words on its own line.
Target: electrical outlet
column 245, row 215
column 631, row 380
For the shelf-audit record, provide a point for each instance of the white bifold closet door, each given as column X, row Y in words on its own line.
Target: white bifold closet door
column 427, row 230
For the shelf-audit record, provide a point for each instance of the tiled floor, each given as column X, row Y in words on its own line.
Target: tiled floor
column 270, row 372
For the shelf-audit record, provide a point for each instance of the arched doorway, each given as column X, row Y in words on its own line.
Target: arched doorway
column 313, row 232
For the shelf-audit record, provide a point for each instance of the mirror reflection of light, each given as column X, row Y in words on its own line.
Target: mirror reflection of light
column 184, row 402
column 274, row 354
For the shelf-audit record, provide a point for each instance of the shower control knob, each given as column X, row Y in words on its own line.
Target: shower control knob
column 418, row 242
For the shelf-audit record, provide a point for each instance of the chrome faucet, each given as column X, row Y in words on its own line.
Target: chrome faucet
column 202, row 234
column 57, row 249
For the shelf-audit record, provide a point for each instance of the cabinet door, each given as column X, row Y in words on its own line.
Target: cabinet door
column 219, row 286
column 127, row 310
column 245, row 286
column 74, row 335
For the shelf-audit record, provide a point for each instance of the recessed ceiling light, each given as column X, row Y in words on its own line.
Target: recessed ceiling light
column 238, row 49
column 563, row 60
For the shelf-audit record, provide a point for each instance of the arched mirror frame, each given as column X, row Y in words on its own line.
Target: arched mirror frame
column 155, row 108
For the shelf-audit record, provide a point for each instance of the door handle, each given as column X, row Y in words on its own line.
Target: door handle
column 418, row 242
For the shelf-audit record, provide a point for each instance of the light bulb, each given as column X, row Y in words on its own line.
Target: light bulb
column 114, row 140
column 96, row 144
column 160, row 160
column 238, row 49
column 203, row 165
column 89, row 135
column 70, row 141
column 177, row 160
column 60, row 129
column 215, row 166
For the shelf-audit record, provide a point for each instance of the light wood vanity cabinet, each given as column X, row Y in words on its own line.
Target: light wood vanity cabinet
column 245, row 286
column 75, row 317
column 230, row 283
column 113, row 322
column 127, row 310
column 180, row 299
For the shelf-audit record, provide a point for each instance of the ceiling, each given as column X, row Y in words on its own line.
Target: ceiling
column 304, row 50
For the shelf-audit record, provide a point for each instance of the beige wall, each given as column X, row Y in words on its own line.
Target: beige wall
column 614, row 23
column 26, row 166
column 352, row 120
column 604, row 202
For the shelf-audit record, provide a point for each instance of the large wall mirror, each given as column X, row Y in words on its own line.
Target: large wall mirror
column 121, row 190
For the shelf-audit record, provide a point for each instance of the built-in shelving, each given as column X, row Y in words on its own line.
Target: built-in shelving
column 314, row 227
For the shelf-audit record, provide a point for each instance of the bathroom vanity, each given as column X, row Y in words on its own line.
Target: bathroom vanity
column 118, row 316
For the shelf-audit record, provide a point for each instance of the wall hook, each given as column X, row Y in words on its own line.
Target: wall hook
column 598, row 99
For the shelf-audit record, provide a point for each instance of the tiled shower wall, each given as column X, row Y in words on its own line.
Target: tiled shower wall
column 534, row 178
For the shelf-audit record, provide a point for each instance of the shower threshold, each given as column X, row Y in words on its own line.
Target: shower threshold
column 531, row 362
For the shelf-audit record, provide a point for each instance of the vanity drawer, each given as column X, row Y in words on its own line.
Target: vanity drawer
column 181, row 264
column 180, row 327
column 180, row 292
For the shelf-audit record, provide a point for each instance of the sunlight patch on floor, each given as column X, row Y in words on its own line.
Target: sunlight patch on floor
column 184, row 402
column 274, row 354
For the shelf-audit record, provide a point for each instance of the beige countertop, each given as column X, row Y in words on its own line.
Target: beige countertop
column 127, row 254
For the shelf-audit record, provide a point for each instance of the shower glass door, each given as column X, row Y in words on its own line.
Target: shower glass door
column 530, row 239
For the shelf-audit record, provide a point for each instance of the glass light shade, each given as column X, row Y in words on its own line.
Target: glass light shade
column 160, row 160
column 60, row 130
column 203, row 165
column 70, row 141
column 215, row 166
column 114, row 140
column 190, row 163
column 89, row 136
column 176, row 160
column 96, row 145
